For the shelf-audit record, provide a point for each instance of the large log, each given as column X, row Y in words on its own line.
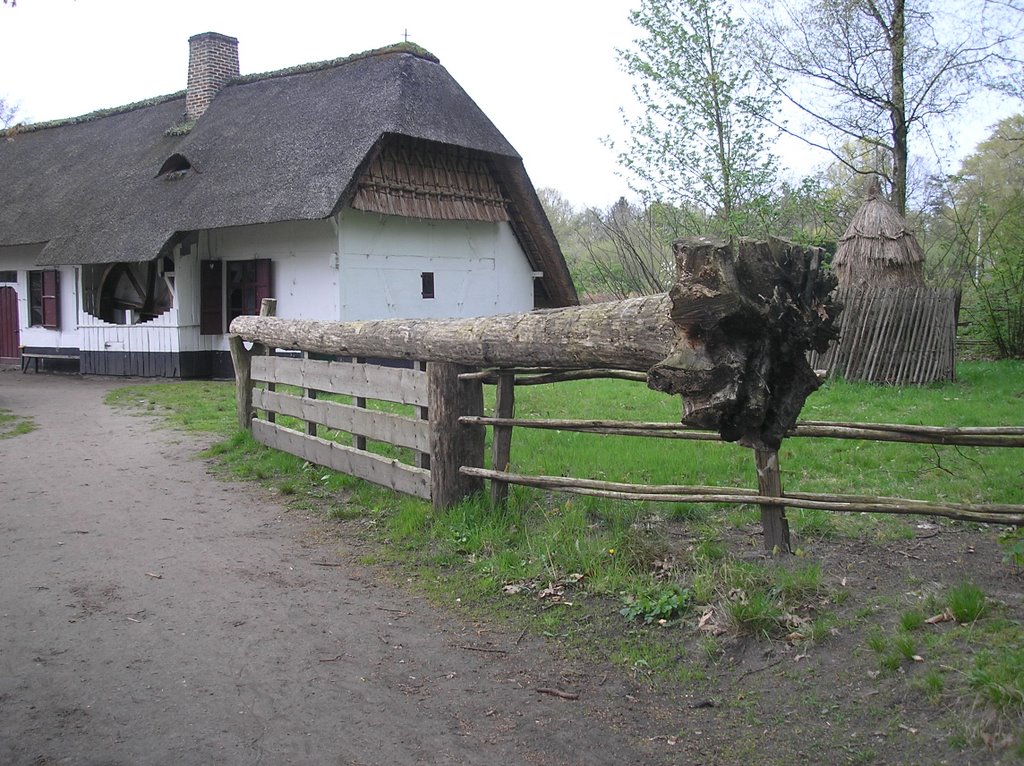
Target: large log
column 731, row 336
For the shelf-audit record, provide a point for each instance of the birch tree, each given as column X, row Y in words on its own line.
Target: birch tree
column 699, row 138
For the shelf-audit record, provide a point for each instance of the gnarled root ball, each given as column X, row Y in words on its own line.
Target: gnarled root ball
column 747, row 314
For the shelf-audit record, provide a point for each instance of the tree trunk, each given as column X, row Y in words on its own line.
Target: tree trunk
column 731, row 336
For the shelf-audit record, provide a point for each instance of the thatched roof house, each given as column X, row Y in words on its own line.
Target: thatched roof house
column 303, row 168
column 878, row 248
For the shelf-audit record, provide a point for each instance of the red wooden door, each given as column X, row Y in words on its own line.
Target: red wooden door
column 8, row 323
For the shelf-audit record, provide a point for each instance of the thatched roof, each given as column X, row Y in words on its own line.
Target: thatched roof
column 878, row 248
column 285, row 146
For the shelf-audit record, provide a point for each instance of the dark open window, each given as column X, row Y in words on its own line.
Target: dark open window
column 211, row 291
column 238, row 286
column 44, row 298
column 175, row 164
column 427, row 284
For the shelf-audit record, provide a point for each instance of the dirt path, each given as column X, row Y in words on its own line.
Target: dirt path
column 152, row 615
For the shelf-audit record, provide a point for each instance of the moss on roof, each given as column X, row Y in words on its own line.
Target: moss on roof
column 99, row 114
column 404, row 47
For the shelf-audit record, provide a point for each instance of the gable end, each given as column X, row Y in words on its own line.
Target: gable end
column 424, row 179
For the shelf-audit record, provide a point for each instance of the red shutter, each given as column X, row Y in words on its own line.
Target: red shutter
column 211, row 292
column 264, row 281
column 51, row 299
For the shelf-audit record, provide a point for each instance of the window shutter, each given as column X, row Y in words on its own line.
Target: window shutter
column 264, row 282
column 51, row 299
column 211, row 292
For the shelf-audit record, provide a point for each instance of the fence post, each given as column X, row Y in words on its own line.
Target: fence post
column 241, row 360
column 422, row 413
column 268, row 308
column 359, row 442
column 501, row 444
column 452, row 444
column 311, row 425
column 773, row 517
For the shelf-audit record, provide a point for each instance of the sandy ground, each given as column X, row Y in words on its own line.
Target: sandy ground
column 150, row 614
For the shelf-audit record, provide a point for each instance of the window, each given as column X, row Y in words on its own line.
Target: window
column 238, row 286
column 8, row 276
column 44, row 299
column 427, row 284
column 174, row 167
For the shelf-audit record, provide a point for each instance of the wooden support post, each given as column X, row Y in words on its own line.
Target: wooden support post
column 453, row 444
column 268, row 308
column 501, row 443
column 423, row 413
column 241, row 359
column 360, row 401
column 773, row 517
column 311, row 425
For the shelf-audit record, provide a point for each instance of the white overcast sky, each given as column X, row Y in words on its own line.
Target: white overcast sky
column 544, row 71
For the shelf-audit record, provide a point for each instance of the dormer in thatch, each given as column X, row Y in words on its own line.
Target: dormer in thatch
column 878, row 248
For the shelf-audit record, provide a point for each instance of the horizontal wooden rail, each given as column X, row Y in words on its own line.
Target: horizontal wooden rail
column 1008, row 436
column 988, row 513
column 404, row 386
column 537, row 376
column 378, row 469
column 373, row 424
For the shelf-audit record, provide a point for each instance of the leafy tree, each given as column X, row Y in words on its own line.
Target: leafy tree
column 983, row 213
column 699, row 140
column 873, row 71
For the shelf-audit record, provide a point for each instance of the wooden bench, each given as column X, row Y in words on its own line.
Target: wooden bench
column 34, row 356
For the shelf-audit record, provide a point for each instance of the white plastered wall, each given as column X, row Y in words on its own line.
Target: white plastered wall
column 366, row 266
column 23, row 259
column 304, row 276
column 478, row 267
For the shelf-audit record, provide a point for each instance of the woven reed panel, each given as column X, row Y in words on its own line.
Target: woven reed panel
column 419, row 179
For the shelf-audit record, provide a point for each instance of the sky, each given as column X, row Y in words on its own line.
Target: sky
column 544, row 71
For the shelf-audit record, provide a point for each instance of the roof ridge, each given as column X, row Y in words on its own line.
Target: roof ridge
column 404, row 47
column 411, row 49
column 31, row 127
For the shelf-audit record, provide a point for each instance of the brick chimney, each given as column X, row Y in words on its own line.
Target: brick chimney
column 212, row 61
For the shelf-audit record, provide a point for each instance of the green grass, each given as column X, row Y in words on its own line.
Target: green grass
column 966, row 602
column 12, row 425
column 607, row 556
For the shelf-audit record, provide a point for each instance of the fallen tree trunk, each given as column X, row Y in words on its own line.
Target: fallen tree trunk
column 731, row 336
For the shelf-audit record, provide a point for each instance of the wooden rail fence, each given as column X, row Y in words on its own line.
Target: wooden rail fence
column 769, row 494
column 447, row 435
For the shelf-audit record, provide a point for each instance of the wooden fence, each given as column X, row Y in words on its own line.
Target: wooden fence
column 896, row 335
column 769, row 493
column 440, row 443
column 448, row 436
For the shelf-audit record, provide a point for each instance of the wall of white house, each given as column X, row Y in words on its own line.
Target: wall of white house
column 366, row 266
column 23, row 259
column 478, row 268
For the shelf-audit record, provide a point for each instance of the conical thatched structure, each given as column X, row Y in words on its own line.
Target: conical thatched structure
column 894, row 328
column 878, row 248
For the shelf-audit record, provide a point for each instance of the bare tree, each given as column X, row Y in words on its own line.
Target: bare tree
column 7, row 113
column 872, row 70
